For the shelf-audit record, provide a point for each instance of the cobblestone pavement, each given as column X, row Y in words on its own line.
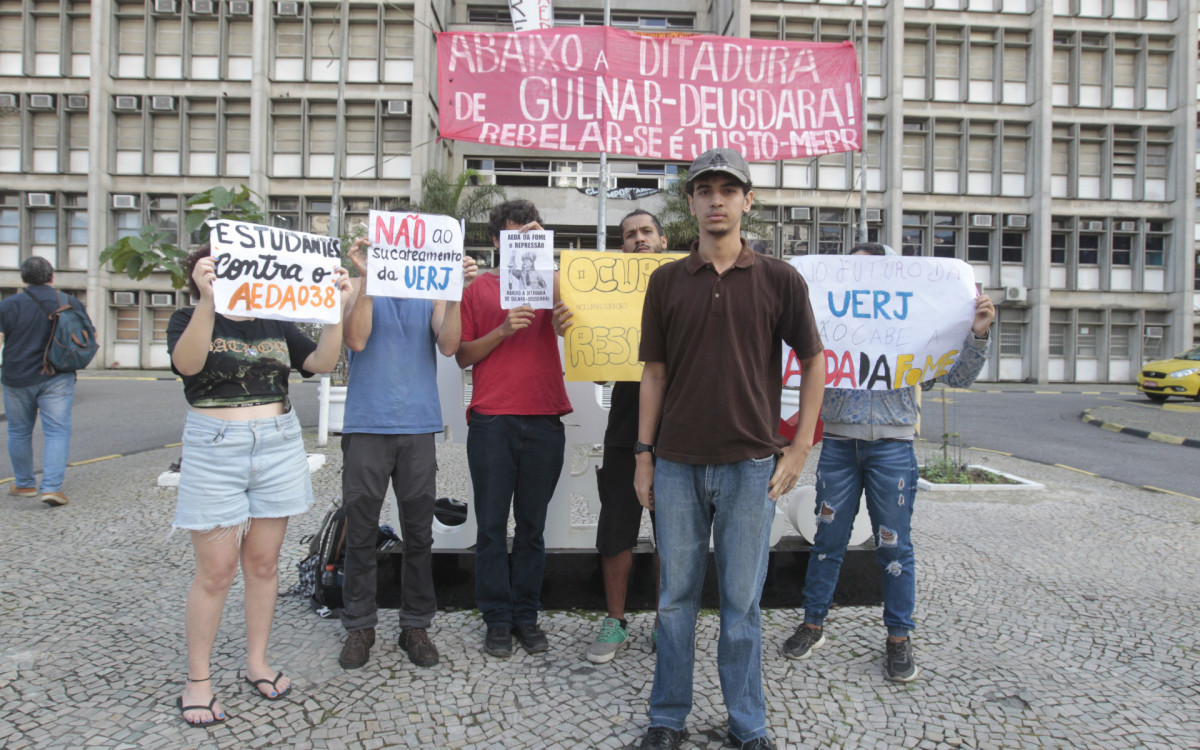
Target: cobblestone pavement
column 1062, row 618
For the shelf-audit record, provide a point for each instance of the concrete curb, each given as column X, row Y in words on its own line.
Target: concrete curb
column 1159, row 437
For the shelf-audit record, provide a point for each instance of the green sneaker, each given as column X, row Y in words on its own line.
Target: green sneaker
column 609, row 642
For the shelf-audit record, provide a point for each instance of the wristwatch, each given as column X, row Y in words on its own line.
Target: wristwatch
column 643, row 448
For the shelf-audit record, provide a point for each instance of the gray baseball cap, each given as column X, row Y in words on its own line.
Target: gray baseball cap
column 724, row 160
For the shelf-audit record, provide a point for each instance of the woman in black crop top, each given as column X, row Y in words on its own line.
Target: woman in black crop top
column 244, row 471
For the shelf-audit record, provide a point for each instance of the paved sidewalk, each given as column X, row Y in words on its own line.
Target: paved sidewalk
column 1062, row 618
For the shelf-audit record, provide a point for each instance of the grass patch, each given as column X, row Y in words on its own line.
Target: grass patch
column 947, row 472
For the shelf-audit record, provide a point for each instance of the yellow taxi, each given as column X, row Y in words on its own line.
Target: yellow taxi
column 1171, row 377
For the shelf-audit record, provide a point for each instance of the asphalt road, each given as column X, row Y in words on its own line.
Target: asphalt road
column 1045, row 427
column 123, row 415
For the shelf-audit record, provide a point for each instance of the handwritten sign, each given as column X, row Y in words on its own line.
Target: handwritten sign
column 887, row 321
column 273, row 273
column 531, row 14
column 418, row 256
column 605, row 90
column 527, row 269
column 605, row 292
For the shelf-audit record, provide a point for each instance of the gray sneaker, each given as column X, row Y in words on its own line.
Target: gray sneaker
column 803, row 641
column 610, row 640
column 899, row 663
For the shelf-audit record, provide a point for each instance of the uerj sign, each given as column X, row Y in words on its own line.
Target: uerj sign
column 605, row 292
column 418, row 256
column 598, row 89
column 886, row 321
column 273, row 273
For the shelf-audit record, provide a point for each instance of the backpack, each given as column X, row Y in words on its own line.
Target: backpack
column 72, row 343
column 329, row 546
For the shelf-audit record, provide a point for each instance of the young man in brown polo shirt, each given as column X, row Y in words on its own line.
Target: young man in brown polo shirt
column 711, row 331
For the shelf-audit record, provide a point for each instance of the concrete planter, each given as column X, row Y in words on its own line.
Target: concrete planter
column 1020, row 483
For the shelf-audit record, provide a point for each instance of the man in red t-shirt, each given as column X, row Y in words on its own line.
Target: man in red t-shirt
column 515, row 443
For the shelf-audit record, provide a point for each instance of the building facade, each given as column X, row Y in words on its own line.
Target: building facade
column 1051, row 145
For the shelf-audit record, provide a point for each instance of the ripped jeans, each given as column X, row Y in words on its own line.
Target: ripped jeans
column 887, row 469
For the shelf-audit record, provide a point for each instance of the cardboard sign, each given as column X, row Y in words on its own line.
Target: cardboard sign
column 276, row 274
column 602, row 90
column 605, row 292
column 527, row 269
column 887, row 321
column 418, row 256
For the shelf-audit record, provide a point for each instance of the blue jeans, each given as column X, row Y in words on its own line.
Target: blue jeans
column 730, row 500
column 53, row 398
column 888, row 471
column 514, row 460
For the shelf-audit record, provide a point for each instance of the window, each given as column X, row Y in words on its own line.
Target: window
column 1011, row 334
column 913, row 233
column 1122, row 324
column 128, row 323
column 1158, row 234
column 974, row 63
column 1089, row 248
column 1089, row 330
column 1110, row 162
column 946, row 231
column 161, row 316
column 992, row 157
column 979, row 248
column 833, row 231
column 1060, row 327
column 308, row 47
column 1012, row 247
column 1121, row 71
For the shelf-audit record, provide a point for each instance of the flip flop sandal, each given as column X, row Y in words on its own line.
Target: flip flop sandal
column 273, row 683
column 184, row 709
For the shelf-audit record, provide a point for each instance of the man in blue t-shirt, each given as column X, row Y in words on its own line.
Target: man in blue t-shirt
column 392, row 414
column 25, row 330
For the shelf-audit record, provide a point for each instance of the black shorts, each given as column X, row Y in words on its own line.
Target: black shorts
column 620, row 511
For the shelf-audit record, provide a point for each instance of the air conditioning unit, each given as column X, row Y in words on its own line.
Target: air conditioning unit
column 1128, row 226
column 799, row 214
column 127, row 103
column 41, row 101
column 39, row 200
column 162, row 300
column 1015, row 294
column 203, row 7
column 8, row 101
column 981, row 220
column 1154, row 332
column 1093, row 226
column 1019, row 221
column 239, row 7
column 124, row 299
column 162, row 103
column 874, row 215
column 124, row 201
column 397, row 107
column 287, row 8
column 165, row 6
column 77, row 101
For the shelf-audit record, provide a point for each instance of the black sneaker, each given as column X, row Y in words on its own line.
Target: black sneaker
column 357, row 648
column 899, row 663
column 758, row 743
column 663, row 738
column 532, row 639
column 498, row 641
column 803, row 641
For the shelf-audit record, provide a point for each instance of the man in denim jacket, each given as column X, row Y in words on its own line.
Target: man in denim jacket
column 868, row 443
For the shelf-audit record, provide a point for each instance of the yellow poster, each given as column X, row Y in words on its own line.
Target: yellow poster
column 605, row 292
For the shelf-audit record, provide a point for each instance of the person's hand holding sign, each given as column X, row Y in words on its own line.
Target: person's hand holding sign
column 985, row 313
column 470, row 270
column 358, row 255
column 341, row 279
column 518, row 318
column 562, row 318
column 203, row 274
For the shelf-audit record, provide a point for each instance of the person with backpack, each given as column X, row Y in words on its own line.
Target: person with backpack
column 32, row 385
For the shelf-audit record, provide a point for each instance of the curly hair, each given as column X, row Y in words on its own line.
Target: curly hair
column 36, row 270
column 519, row 212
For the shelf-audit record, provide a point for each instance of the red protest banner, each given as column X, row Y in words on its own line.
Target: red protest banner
column 598, row 89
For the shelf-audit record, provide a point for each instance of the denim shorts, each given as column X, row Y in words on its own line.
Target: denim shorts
column 235, row 470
